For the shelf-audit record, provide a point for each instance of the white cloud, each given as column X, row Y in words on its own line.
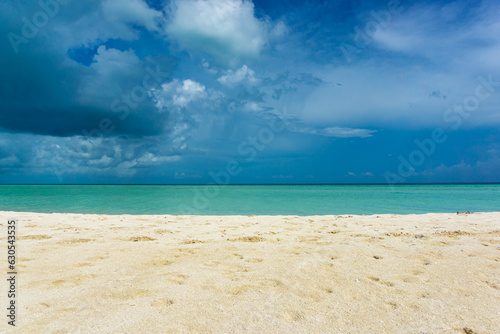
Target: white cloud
column 104, row 161
column 147, row 160
column 110, row 69
column 337, row 132
column 111, row 60
column 224, row 28
column 399, row 41
column 178, row 93
column 132, row 12
column 111, row 19
column 345, row 132
column 65, row 156
column 362, row 174
column 378, row 95
column 253, row 107
column 242, row 75
column 478, row 171
column 279, row 30
column 423, row 31
column 187, row 92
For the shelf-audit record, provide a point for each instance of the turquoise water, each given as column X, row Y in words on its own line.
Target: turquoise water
column 248, row 200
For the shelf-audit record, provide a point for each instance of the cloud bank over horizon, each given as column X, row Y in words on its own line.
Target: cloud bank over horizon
column 138, row 91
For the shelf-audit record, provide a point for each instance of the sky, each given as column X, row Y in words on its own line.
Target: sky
column 235, row 91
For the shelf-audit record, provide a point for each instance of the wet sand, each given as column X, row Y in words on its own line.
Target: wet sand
column 433, row 273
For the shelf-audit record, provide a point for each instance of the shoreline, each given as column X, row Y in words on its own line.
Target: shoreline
column 434, row 272
column 253, row 215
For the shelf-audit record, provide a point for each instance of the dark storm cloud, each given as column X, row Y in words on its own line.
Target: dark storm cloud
column 42, row 91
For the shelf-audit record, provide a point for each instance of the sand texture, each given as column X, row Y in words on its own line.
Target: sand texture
column 433, row 273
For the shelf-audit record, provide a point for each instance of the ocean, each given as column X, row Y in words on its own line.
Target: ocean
column 250, row 199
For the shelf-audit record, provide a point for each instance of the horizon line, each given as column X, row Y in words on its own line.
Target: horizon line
column 247, row 184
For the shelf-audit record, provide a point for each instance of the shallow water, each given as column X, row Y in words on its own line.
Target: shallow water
column 250, row 199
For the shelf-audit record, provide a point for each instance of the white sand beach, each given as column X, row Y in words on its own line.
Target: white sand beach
column 432, row 273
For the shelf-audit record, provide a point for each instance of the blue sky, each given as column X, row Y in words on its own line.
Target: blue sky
column 134, row 91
